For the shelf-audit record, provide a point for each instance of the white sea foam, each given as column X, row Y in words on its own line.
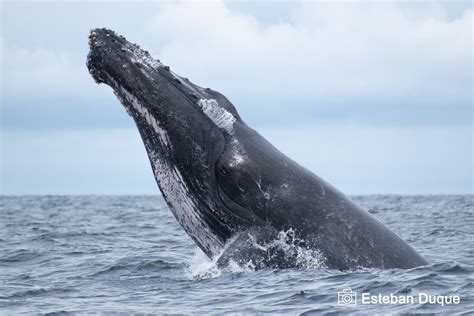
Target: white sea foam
column 201, row 267
column 305, row 257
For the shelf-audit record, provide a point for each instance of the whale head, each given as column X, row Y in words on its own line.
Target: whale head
column 185, row 129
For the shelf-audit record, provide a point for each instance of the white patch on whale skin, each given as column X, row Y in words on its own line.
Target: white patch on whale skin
column 238, row 154
column 142, row 57
column 181, row 203
column 220, row 116
column 128, row 99
column 149, row 118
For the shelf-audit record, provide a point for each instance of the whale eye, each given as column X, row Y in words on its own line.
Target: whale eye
column 224, row 171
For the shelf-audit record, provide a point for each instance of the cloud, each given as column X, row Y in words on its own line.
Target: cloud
column 44, row 45
column 388, row 85
column 42, row 72
column 318, row 51
column 324, row 50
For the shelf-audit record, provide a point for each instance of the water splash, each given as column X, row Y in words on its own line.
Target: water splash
column 201, row 267
column 284, row 251
column 305, row 257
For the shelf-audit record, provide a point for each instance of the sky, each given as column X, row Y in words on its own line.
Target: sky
column 374, row 97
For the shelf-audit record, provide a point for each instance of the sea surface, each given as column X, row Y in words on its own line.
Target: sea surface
column 127, row 254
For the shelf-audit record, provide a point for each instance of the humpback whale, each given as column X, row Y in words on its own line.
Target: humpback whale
column 230, row 189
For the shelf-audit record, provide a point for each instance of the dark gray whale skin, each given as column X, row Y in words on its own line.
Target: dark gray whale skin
column 224, row 182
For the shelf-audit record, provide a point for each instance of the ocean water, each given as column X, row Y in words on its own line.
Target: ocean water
column 127, row 254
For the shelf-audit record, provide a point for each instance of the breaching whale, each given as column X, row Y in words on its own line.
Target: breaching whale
column 230, row 189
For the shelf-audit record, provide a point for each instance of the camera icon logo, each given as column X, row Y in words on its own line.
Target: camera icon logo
column 346, row 297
